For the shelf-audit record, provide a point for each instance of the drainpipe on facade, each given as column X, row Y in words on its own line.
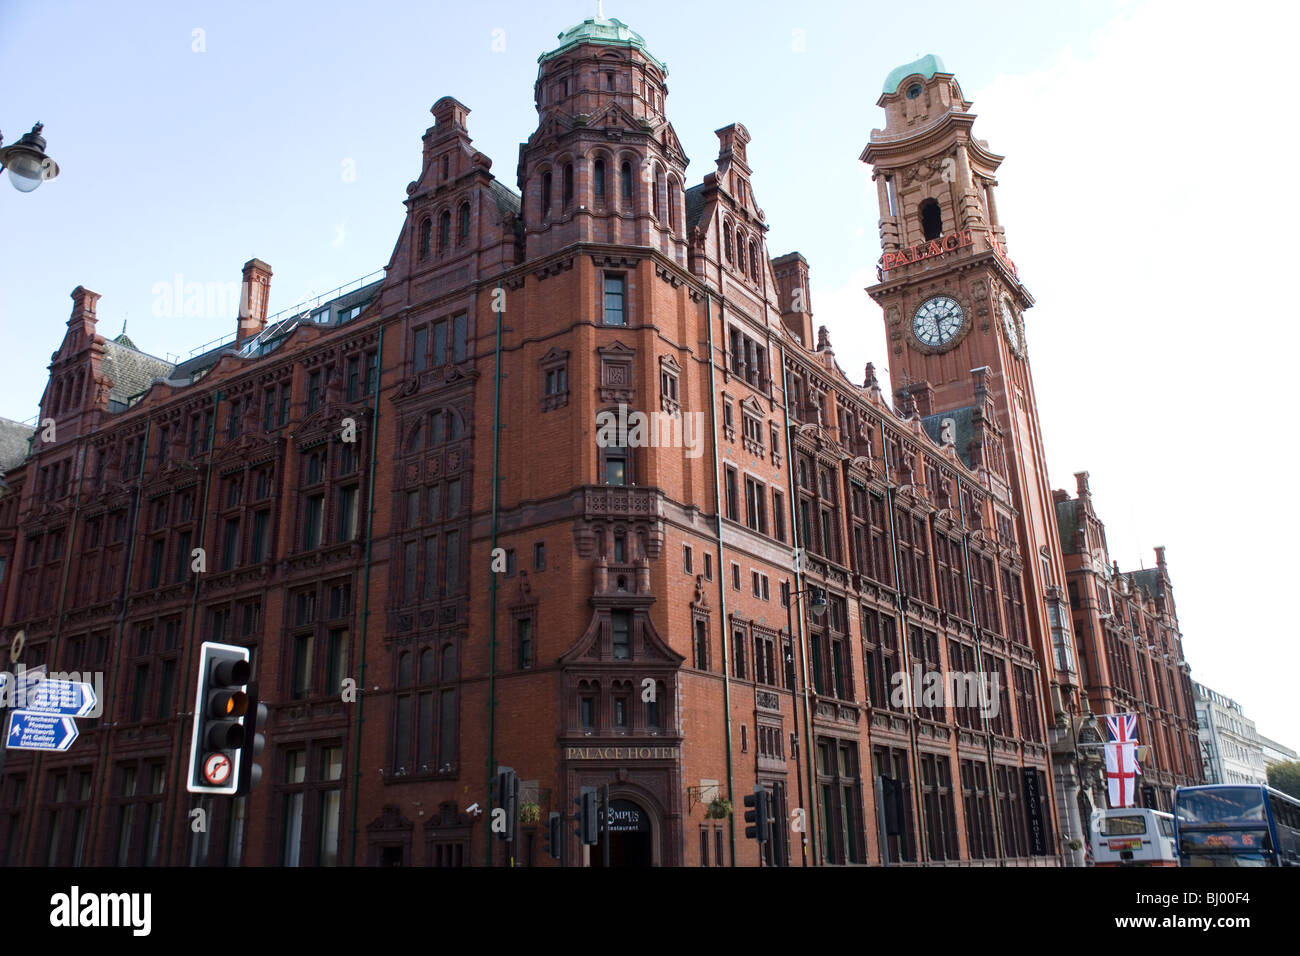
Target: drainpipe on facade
column 979, row 666
column 365, row 600
column 810, row 817
column 900, row 599
column 492, row 614
column 722, row 572
column 174, row 798
column 121, row 627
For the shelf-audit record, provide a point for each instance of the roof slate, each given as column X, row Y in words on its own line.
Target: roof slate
column 131, row 371
column 14, row 443
column 963, row 426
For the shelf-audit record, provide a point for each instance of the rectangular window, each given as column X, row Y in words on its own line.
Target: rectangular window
column 778, row 515
column 735, row 575
column 420, row 353
column 687, row 564
column 733, row 503
column 336, row 662
column 430, row 567
column 410, row 568
column 525, row 627
column 621, row 632
column 615, row 294
column 439, row 344
column 313, row 391
column 302, row 648
column 459, row 339
column 453, row 562
column 315, row 522
column 230, row 545
column 708, row 566
column 347, row 513
column 539, row 556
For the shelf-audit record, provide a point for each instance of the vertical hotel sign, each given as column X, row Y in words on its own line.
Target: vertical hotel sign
column 1034, row 812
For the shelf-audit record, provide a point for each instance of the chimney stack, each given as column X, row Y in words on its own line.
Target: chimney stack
column 791, row 271
column 254, row 294
column 83, row 311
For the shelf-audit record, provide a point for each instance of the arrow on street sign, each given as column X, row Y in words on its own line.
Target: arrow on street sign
column 29, row 730
column 67, row 698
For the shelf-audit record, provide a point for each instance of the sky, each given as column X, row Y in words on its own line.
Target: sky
column 1147, row 196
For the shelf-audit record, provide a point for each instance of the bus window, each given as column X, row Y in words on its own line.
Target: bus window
column 1123, row 826
column 1167, row 826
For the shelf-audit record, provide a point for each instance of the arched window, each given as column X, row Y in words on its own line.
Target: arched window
column 426, row 666
column 753, row 260
column 568, row 184
column 740, row 251
column 626, row 175
column 657, row 203
column 444, row 231
column 404, row 669
column 416, row 441
column 726, row 241
column 672, row 205
column 464, row 221
column 448, row 662
column 931, row 219
column 426, row 238
column 546, row 196
column 598, row 179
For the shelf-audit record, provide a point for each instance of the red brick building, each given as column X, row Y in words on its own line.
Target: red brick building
column 408, row 486
column 1130, row 651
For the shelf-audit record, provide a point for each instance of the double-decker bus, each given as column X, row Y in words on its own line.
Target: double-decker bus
column 1133, row 836
column 1237, row 825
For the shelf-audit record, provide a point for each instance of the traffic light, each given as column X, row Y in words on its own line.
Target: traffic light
column 758, row 815
column 554, row 834
column 508, row 800
column 588, row 823
column 254, row 742
column 217, row 742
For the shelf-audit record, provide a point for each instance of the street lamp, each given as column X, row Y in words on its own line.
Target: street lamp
column 816, row 604
column 26, row 161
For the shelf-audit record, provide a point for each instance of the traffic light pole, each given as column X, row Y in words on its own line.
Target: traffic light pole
column 604, row 836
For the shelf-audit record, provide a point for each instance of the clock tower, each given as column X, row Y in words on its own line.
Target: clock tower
column 954, row 303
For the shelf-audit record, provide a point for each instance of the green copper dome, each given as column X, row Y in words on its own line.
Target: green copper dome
column 927, row 66
column 599, row 30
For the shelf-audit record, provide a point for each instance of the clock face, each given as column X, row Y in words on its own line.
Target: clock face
column 1009, row 325
column 937, row 321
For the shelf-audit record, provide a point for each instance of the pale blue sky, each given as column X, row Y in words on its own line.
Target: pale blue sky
column 1132, row 133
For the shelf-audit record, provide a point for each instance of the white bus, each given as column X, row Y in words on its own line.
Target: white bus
column 1133, row 836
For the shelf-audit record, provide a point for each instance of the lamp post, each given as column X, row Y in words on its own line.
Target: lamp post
column 26, row 161
column 817, row 605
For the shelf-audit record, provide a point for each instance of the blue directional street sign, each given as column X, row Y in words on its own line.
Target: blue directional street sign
column 29, row 730
column 66, row 698
column 15, row 688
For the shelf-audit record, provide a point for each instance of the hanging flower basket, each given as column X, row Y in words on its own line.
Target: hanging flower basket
column 530, row 813
column 719, row 809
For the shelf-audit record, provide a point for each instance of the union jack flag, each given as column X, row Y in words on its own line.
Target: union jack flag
column 1122, row 726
